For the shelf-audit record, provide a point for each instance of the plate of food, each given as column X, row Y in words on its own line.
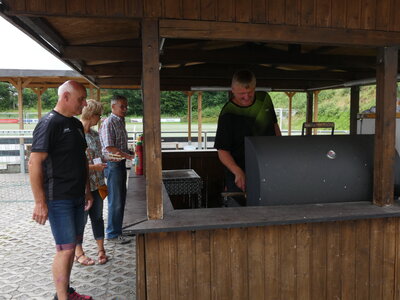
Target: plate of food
column 115, row 157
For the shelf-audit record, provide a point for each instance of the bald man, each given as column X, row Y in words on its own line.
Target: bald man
column 59, row 180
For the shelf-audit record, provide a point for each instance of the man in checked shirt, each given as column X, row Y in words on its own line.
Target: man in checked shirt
column 114, row 141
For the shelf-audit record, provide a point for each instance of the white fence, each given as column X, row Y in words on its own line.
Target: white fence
column 15, row 144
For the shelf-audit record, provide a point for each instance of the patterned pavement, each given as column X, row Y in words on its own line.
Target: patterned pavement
column 27, row 250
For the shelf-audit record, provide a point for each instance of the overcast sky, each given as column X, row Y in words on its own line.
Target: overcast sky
column 19, row 51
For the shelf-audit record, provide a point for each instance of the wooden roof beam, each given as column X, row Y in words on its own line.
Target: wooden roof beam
column 102, row 53
column 113, row 69
column 222, row 71
column 47, row 34
column 171, row 56
column 188, row 29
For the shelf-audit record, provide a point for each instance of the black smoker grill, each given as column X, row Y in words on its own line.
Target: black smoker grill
column 309, row 169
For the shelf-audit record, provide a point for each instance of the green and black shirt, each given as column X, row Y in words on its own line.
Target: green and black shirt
column 235, row 122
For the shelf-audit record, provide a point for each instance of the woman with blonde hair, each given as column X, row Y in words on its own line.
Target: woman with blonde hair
column 90, row 117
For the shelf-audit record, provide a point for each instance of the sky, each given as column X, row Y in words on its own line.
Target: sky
column 19, row 51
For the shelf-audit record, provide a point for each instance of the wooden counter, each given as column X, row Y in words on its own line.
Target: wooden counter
column 312, row 251
column 231, row 217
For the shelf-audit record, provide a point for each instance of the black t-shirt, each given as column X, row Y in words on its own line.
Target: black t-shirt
column 64, row 169
column 236, row 122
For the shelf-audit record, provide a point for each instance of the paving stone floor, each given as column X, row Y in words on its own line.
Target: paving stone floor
column 27, row 250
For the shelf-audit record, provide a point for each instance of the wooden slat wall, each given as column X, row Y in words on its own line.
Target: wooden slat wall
column 352, row 14
column 334, row 260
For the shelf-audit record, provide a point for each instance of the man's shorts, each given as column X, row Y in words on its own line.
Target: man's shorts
column 66, row 219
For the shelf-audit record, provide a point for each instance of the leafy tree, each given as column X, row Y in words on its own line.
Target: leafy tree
column 8, row 99
column 134, row 98
column 49, row 98
column 173, row 103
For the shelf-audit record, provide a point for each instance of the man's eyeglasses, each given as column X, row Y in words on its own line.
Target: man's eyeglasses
column 122, row 106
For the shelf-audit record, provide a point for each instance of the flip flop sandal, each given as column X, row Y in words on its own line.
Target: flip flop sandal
column 87, row 261
column 103, row 258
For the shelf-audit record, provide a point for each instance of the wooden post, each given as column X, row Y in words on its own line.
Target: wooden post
column 354, row 108
column 151, row 111
column 98, row 95
column 91, row 93
column 290, row 95
column 20, row 104
column 385, row 125
column 19, row 85
column 199, row 120
column 39, row 92
column 315, row 119
column 189, row 116
column 309, row 113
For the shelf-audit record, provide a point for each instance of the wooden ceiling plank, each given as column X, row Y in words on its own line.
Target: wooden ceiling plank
column 208, row 10
column 36, row 6
column 276, row 13
column 56, row 7
column 242, row 13
column 75, row 7
column 135, row 8
column 275, row 33
column 116, row 8
column 95, row 7
column 191, row 9
column 292, row 9
column 259, row 11
column 368, row 14
column 152, row 8
column 338, row 8
column 225, row 10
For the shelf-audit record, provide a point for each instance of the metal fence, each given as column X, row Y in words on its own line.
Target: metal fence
column 15, row 145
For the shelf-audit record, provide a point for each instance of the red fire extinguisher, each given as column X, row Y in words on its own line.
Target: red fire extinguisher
column 139, row 157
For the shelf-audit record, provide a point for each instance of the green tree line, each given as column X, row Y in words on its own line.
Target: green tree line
column 333, row 105
column 173, row 103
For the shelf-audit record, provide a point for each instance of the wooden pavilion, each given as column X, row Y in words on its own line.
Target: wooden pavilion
column 39, row 81
column 330, row 251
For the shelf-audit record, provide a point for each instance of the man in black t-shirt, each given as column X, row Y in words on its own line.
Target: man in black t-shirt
column 58, row 173
column 248, row 113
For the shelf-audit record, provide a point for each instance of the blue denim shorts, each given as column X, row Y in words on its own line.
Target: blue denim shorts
column 66, row 219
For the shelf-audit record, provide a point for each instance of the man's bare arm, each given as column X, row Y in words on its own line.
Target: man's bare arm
column 40, row 211
column 227, row 160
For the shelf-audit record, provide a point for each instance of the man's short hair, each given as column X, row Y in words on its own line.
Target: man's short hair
column 65, row 87
column 92, row 108
column 244, row 78
column 117, row 98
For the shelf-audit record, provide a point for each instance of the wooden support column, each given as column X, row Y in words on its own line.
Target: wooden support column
column 199, row 120
column 315, row 119
column 20, row 84
column 189, row 115
column 39, row 92
column 290, row 95
column 91, row 92
column 309, row 112
column 385, row 125
column 354, row 108
column 98, row 95
column 152, row 116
